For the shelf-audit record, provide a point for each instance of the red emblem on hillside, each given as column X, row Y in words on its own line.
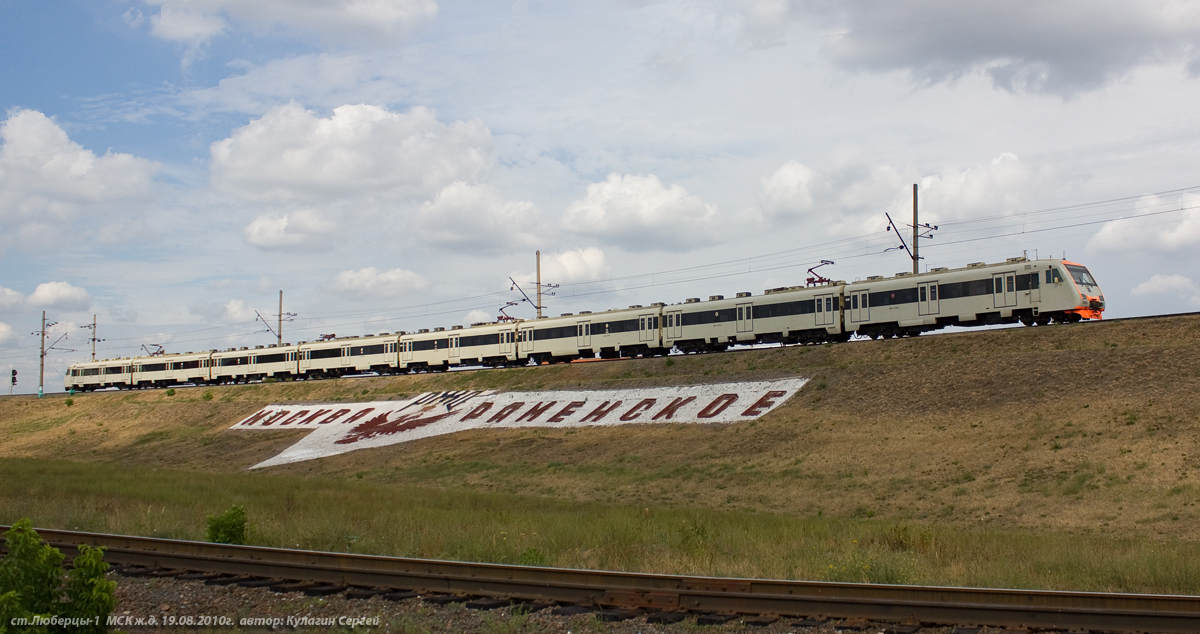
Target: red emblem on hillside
column 381, row 426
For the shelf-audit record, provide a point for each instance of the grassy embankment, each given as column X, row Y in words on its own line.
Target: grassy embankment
column 1046, row 457
column 356, row 516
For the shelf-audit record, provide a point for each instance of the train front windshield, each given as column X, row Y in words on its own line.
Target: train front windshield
column 1081, row 275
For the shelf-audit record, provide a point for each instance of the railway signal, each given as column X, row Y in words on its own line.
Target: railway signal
column 14, row 381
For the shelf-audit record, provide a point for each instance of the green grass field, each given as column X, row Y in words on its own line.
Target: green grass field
column 362, row 516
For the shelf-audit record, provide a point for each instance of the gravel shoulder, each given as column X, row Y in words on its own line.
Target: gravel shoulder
column 249, row 609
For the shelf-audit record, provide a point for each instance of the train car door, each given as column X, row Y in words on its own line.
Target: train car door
column 1004, row 289
column 583, row 334
column 346, row 355
column 506, row 337
column 675, row 324
column 453, row 343
column 860, row 308
column 526, row 339
column 406, row 350
column 647, row 327
column 305, row 359
column 927, row 299
column 825, row 310
column 745, row 317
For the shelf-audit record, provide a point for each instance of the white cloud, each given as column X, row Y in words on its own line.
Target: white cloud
column 359, row 152
column 45, row 178
column 1060, row 48
column 1166, row 285
column 638, row 213
column 323, row 80
column 369, row 283
column 235, row 310
column 576, row 265
column 59, row 295
column 184, row 25
column 786, row 193
column 478, row 316
column 133, row 17
column 852, row 197
column 122, row 316
column 302, row 228
column 1151, row 229
column 352, row 22
column 10, row 299
column 999, row 187
column 478, row 218
column 6, row 331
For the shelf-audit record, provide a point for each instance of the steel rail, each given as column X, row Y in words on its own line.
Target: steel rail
column 913, row 604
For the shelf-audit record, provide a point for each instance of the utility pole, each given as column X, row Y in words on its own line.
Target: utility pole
column 278, row 329
column 94, row 339
column 539, row 284
column 42, row 357
column 917, row 228
column 916, row 249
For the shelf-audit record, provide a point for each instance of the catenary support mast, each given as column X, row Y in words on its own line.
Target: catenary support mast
column 916, row 254
column 42, row 356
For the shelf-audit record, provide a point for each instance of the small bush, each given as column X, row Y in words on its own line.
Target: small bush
column 207, row 396
column 70, row 402
column 228, row 527
column 31, row 584
column 171, row 391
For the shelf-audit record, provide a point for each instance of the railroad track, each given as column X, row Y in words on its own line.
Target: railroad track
column 663, row 598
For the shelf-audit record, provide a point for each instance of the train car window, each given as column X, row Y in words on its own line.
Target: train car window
column 1009, row 283
column 1081, row 275
column 999, row 285
column 864, row 302
column 923, row 295
column 828, row 304
column 818, row 305
column 854, row 301
column 741, row 316
column 933, row 293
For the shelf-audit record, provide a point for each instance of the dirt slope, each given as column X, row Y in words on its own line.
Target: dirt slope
column 1086, row 427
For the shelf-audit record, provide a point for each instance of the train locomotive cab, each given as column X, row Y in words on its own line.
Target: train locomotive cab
column 1091, row 298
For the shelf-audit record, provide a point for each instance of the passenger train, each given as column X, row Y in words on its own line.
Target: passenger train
column 1018, row 290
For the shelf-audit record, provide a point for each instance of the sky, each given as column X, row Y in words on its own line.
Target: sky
column 168, row 167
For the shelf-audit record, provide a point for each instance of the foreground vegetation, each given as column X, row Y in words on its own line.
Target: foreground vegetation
column 369, row 517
